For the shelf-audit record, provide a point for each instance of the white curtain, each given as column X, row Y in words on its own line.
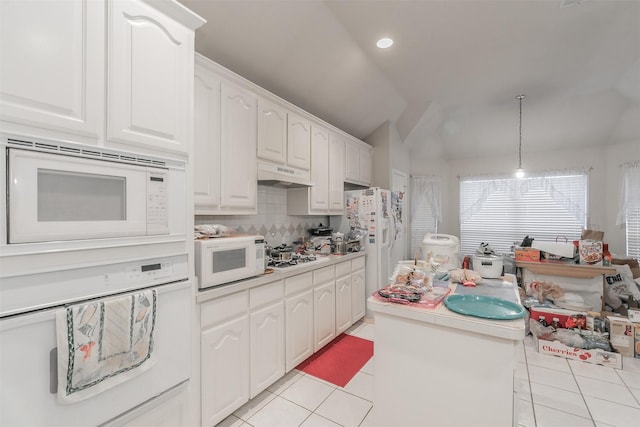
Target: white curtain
column 630, row 190
column 426, row 209
column 561, row 191
column 426, row 189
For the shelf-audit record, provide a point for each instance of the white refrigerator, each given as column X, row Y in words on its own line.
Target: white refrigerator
column 380, row 212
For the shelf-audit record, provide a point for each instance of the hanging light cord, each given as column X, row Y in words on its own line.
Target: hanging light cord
column 520, row 97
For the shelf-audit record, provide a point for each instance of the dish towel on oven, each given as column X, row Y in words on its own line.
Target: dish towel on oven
column 103, row 343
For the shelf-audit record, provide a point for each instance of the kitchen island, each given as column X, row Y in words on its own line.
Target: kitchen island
column 436, row 367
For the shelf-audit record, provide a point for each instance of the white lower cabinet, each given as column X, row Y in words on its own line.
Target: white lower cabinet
column 250, row 339
column 343, row 297
column 266, row 320
column 324, row 307
column 299, row 319
column 224, row 356
column 358, row 290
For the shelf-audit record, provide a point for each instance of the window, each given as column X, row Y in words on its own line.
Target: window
column 425, row 210
column 503, row 210
column 629, row 213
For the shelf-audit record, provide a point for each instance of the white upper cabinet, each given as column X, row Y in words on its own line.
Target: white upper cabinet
column 299, row 141
column 52, row 65
column 358, row 163
column 319, row 194
column 336, row 174
column 150, row 62
column 238, row 167
column 58, row 57
column 327, row 174
column 272, row 131
column 224, row 154
column 206, row 140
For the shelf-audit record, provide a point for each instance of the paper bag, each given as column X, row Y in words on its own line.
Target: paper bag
column 592, row 235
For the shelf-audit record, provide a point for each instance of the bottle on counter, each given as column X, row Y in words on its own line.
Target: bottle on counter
column 606, row 255
column 555, row 323
column 542, row 321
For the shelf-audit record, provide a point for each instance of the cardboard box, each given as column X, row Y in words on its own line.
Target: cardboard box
column 561, row 249
column 549, row 313
column 621, row 335
column 590, row 252
column 634, row 315
column 595, row 356
column 527, row 254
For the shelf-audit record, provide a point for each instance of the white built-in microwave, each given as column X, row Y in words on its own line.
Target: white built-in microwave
column 224, row 260
column 70, row 192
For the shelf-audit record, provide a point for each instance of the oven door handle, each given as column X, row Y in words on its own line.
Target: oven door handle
column 53, row 371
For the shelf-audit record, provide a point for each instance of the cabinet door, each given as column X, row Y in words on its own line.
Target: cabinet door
column 319, row 200
column 358, row 295
column 352, row 159
column 224, row 353
column 267, row 347
column 150, row 70
column 238, row 148
column 272, row 131
column 298, row 142
column 343, row 304
column 299, row 328
column 336, row 174
column 206, row 153
column 365, row 165
column 52, row 67
column 324, row 314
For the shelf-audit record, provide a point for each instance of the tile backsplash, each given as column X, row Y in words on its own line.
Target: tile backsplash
column 272, row 220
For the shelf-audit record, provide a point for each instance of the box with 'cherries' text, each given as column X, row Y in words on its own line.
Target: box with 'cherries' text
column 595, row 356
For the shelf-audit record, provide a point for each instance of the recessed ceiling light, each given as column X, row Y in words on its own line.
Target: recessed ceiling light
column 384, row 43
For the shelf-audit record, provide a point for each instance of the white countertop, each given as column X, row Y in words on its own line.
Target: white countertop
column 442, row 316
column 230, row 288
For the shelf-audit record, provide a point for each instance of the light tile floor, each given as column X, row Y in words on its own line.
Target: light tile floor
column 553, row 392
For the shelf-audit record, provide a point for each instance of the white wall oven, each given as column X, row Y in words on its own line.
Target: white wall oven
column 228, row 259
column 126, row 349
column 66, row 197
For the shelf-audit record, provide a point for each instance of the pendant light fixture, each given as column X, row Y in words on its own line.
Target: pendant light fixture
column 520, row 171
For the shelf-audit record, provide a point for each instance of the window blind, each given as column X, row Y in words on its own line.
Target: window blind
column 630, row 207
column 633, row 232
column 502, row 211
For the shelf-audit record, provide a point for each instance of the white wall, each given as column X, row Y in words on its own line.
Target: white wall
column 604, row 184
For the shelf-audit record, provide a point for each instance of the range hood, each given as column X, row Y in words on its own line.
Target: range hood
column 283, row 176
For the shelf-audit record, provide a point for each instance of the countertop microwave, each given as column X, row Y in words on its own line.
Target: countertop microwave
column 223, row 260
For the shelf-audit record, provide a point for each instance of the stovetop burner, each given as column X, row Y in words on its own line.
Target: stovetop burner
column 295, row 260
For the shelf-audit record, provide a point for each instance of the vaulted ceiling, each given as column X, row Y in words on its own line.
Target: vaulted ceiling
column 450, row 80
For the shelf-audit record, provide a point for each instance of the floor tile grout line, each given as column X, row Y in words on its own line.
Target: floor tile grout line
column 533, row 406
column 582, row 396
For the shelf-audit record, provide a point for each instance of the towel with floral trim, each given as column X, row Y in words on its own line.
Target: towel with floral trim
column 103, row 343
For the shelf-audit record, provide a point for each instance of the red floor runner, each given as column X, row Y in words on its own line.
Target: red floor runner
column 339, row 360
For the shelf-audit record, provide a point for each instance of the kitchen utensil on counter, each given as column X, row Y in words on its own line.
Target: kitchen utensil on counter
column 339, row 248
column 321, row 244
column 488, row 266
column 442, row 249
column 320, row 230
column 281, row 252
